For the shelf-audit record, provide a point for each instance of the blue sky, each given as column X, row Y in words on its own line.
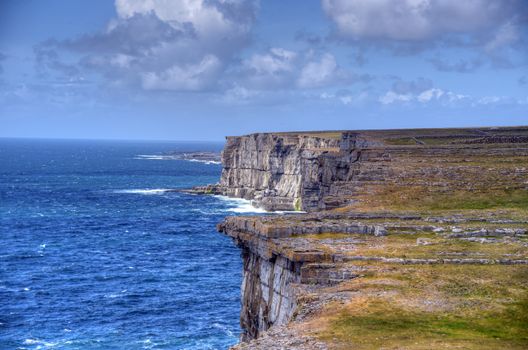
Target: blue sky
column 203, row 69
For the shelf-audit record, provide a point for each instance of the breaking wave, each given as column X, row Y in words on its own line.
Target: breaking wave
column 239, row 205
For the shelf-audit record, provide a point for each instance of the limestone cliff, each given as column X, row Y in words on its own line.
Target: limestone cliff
column 274, row 170
column 382, row 202
column 325, row 170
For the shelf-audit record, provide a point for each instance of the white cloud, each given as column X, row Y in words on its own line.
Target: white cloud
column 208, row 20
column 160, row 44
column 430, row 94
column 416, row 20
column 279, row 68
column 505, row 35
column 487, row 100
column 423, row 97
column 277, row 60
column 192, row 77
column 346, row 97
column 392, row 97
column 320, row 73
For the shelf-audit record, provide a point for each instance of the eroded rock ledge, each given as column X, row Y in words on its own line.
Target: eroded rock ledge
column 438, row 205
column 293, row 263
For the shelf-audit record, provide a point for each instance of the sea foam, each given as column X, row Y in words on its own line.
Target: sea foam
column 239, row 205
column 172, row 157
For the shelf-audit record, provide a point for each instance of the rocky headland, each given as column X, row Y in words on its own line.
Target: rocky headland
column 412, row 239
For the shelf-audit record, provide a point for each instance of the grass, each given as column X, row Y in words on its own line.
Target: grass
column 507, row 198
column 420, row 198
column 431, row 307
column 401, row 141
column 382, row 325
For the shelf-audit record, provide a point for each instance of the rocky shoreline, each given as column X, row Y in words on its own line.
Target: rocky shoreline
column 382, row 205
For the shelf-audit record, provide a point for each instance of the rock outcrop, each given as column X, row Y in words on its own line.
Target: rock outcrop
column 321, row 171
column 293, row 263
column 355, row 185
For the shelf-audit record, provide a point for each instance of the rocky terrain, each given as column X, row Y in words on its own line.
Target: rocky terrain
column 414, row 239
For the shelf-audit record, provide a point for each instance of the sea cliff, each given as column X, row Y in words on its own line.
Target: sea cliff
column 417, row 224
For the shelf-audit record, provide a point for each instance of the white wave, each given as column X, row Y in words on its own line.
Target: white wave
column 145, row 191
column 204, row 161
column 239, row 205
column 224, row 329
column 39, row 342
column 153, row 157
column 172, row 157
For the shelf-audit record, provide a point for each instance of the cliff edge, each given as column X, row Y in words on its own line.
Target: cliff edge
column 413, row 239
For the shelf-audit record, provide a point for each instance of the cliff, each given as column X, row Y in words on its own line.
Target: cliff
column 416, row 238
column 321, row 171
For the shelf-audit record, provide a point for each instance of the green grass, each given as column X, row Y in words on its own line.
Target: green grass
column 480, row 307
column 418, row 198
column 402, row 141
column 385, row 325
column 515, row 198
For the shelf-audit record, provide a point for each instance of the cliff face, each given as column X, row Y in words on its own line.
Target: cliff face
column 274, row 265
column 302, row 270
column 267, row 293
column 321, row 171
column 381, row 202
column 276, row 171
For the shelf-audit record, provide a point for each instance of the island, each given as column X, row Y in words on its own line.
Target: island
column 402, row 239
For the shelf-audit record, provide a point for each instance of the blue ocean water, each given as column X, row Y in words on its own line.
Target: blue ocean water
column 94, row 254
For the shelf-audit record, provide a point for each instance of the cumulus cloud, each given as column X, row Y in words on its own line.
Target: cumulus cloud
column 427, row 96
column 272, row 69
column 211, row 19
column 161, row 44
column 420, row 90
column 346, row 97
column 322, row 72
column 192, row 77
column 279, row 68
column 428, row 21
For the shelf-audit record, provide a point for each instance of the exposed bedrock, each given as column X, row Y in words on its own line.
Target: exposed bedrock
column 324, row 170
column 289, row 259
column 267, row 298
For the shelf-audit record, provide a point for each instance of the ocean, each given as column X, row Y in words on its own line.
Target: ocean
column 95, row 253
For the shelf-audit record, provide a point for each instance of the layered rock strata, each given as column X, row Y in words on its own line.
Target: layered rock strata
column 294, row 265
column 292, row 262
column 325, row 170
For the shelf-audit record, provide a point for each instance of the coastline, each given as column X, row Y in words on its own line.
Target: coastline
column 303, row 273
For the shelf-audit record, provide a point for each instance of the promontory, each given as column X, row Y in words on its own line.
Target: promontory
column 401, row 239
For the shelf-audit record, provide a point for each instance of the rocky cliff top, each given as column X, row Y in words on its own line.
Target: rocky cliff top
column 415, row 239
column 313, row 171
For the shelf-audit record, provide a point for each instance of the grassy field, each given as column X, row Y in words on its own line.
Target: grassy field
column 430, row 307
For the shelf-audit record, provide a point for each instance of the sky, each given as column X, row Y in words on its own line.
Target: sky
column 204, row 69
